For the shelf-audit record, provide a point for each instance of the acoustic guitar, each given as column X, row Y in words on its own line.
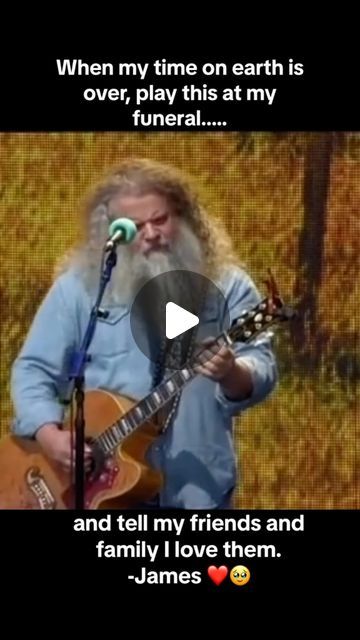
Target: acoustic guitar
column 120, row 430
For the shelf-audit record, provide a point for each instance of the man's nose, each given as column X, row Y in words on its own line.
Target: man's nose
column 150, row 232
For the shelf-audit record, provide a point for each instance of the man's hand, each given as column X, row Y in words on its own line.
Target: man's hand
column 56, row 444
column 220, row 365
column 216, row 363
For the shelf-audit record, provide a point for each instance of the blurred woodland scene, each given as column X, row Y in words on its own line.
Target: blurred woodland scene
column 291, row 202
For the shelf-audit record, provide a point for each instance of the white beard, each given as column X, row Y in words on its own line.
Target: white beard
column 134, row 270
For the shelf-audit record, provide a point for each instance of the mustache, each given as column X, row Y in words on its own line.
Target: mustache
column 158, row 247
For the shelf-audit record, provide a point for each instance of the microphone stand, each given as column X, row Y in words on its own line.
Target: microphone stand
column 78, row 362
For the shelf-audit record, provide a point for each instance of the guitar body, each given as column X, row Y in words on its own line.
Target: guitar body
column 122, row 478
column 29, row 480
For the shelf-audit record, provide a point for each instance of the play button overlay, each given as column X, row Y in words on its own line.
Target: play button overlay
column 178, row 320
column 173, row 313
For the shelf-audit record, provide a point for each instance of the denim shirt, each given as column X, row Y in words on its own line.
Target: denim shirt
column 196, row 453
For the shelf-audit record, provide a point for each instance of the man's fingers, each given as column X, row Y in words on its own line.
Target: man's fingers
column 207, row 370
column 208, row 349
column 223, row 351
column 214, row 363
column 205, row 356
column 87, row 451
column 202, row 371
column 211, row 368
column 216, row 357
column 67, row 464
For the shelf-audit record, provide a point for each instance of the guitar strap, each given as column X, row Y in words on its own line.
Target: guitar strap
column 172, row 355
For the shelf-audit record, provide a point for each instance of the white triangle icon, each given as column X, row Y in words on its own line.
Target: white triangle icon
column 178, row 320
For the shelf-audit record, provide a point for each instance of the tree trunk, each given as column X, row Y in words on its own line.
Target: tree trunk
column 306, row 337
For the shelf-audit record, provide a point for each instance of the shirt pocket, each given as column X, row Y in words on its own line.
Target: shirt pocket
column 112, row 335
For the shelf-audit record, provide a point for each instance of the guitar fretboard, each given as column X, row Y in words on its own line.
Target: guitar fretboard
column 144, row 410
column 246, row 328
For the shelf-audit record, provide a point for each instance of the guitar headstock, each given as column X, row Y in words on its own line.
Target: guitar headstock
column 269, row 311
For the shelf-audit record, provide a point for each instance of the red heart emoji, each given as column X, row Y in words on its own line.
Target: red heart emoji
column 216, row 574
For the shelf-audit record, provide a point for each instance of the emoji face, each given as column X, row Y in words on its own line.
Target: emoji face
column 239, row 575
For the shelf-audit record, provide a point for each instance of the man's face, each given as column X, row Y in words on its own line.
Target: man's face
column 156, row 221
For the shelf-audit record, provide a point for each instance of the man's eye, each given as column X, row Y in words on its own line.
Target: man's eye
column 161, row 219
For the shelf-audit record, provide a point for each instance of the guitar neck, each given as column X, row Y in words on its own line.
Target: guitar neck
column 149, row 405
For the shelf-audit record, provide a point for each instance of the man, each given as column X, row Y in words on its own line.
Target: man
column 195, row 452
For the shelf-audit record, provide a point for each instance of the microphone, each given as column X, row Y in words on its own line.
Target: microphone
column 122, row 230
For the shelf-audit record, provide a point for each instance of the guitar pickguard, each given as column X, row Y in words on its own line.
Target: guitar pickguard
column 100, row 483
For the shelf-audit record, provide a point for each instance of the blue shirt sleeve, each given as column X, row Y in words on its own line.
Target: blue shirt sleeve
column 38, row 375
column 242, row 294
